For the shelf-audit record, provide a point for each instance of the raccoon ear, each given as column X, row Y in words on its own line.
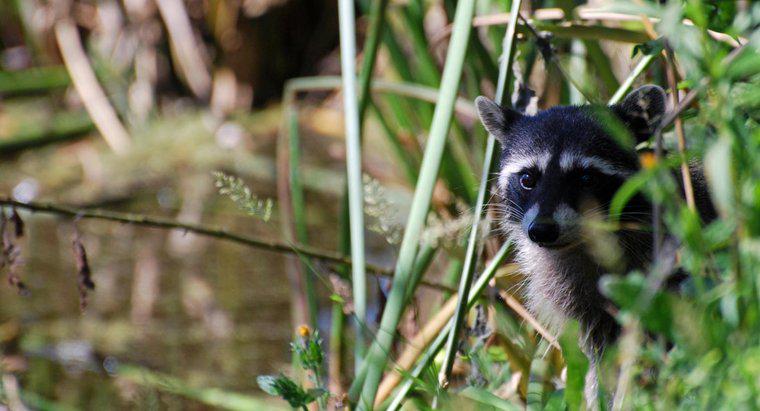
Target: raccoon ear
column 642, row 110
column 496, row 119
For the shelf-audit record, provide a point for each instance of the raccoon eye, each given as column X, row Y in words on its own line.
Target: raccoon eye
column 527, row 181
column 587, row 179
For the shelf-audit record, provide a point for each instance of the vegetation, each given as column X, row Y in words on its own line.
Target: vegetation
column 130, row 113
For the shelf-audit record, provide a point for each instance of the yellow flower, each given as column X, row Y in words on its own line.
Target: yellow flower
column 304, row 331
column 647, row 159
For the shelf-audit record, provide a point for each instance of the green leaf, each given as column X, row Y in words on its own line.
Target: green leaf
column 486, row 398
column 718, row 170
column 577, row 366
column 286, row 388
column 631, row 293
column 629, row 189
column 268, row 384
column 729, row 307
column 651, row 47
column 315, row 393
column 556, row 401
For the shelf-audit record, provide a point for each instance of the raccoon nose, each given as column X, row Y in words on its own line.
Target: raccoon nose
column 543, row 233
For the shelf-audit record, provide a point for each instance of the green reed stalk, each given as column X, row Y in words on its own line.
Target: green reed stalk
column 431, row 162
column 421, row 264
column 33, row 80
column 298, row 205
column 371, row 45
column 353, row 170
column 427, row 358
column 60, row 128
column 405, row 89
column 626, row 85
column 505, row 70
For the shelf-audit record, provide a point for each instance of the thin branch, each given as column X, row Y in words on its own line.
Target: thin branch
column 215, row 232
column 545, row 47
column 86, row 83
column 670, row 71
column 526, row 315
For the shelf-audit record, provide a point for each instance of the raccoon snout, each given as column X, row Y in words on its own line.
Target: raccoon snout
column 543, row 233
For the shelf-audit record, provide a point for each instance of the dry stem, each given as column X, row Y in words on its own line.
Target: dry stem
column 83, row 76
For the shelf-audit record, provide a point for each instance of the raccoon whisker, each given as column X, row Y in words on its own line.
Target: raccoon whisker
column 626, row 247
column 632, row 215
column 508, row 209
column 517, row 288
column 621, row 220
column 634, row 247
column 634, row 253
column 493, row 178
column 636, row 216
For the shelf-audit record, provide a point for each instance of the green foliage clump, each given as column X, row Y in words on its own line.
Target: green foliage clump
column 309, row 354
column 288, row 389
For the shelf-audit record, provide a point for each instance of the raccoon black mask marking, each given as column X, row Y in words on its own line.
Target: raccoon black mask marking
column 560, row 169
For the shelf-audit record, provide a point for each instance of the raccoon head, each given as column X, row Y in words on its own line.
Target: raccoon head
column 566, row 162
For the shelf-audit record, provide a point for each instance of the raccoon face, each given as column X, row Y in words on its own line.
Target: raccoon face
column 566, row 163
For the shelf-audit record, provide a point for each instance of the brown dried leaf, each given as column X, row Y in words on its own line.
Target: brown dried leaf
column 18, row 223
column 10, row 255
column 84, row 274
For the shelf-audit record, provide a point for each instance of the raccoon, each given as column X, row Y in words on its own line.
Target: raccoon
column 558, row 169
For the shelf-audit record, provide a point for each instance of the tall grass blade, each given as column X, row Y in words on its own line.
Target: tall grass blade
column 505, row 70
column 354, row 169
column 444, row 110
